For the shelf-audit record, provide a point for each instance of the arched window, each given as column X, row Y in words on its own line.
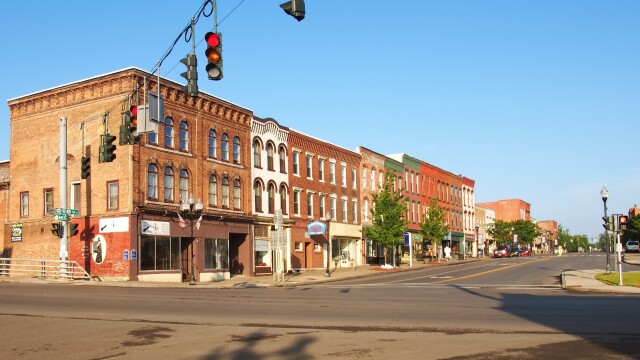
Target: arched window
column 152, row 182
column 257, row 154
column 270, row 156
column 184, row 185
column 168, row 132
column 257, row 195
column 225, row 192
column 213, row 190
column 212, row 144
column 236, row 150
column 271, row 190
column 237, row 190
column 168, row 184
column 184, row 136
column 283, row 199
column 225, row 147
column 283, row 160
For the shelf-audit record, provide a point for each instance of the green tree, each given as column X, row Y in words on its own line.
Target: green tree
column 527, row 231
column 564, row 237
column 633, row 229
column 500, row 230
column 434, row 226
column 388, row 225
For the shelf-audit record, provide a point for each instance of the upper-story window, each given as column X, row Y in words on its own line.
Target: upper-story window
column 152, row 138
column 184, row 185
column 283, row 160
column 283, row 199
column 212, row 144
column 332, row 172
column 257, row 154
column 168, row 184
column 364, row 177
column 257, row 196
column 354, row 211
column 332, row 204
column 112, row 195
column 380, row 176
column 225, row 147
column 354, row 178
column 184, row 136
column 152, row 182
column 344, row 210
column 310, row 204
column 296, row 202
column 270, row 157
column 213, row 190
column 321, row 170
column 373, row 180
column 236, row 150
column 24, row 204
column 168, row 132
column 48, row 201
column 406, row 181
column 296, row 163
column 343, row 175
column 237, row 190
column 366, row 210
column 225, row 192
column 322, row 205
column 309, row 166
column 271, row 193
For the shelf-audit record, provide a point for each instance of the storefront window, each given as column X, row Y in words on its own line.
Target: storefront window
column 216, row 254
column 160, row 253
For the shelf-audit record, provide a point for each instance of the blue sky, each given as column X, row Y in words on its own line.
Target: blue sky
column 536, row 100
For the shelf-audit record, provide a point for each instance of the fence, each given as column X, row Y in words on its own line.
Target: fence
column 43, row 268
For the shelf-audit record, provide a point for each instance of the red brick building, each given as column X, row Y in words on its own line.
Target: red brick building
column 323, row 178
column 509, row 210
column 130, row 206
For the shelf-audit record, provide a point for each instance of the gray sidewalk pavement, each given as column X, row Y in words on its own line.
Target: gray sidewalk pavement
column 574, row 281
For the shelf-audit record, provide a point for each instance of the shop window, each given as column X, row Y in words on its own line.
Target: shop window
column 216, row 254
column 159, row 253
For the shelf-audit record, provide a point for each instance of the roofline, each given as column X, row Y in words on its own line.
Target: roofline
column 324, row 141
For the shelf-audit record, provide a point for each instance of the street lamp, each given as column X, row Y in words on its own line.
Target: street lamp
column 327, row 218
column 191, row 209
column 604, row 194
column 477, row 240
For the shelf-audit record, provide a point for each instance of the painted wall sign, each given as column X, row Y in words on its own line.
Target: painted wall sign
column 262, row 245
column 316, row 228
column 110, row 225
column 99, row 249
column 149, row 227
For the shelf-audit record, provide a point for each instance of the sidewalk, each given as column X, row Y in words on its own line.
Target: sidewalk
column 574, row 281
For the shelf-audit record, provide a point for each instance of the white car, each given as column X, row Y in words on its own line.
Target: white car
column 632, row 246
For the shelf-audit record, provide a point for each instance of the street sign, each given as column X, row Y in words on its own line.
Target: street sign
column 62, row 211
column 60, row 217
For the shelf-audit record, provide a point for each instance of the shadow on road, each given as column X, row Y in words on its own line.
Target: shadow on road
column 255, row 346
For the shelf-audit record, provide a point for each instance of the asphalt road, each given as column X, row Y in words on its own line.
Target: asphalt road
column 497, row 309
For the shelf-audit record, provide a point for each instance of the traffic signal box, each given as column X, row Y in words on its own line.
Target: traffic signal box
column 85, row 168
column 73, row 229
column 214, row 55
column 608, row 223
column 191, row 75
column 294, row 8
column 622, row 221
column 57, row 229
column 107, row 148
column 129, row 127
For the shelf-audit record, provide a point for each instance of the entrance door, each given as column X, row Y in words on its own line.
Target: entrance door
column 308, row 255
column 184, row 258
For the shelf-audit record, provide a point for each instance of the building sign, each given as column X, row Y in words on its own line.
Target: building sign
column 407, row 238
column 110, row 225
column 154, row 227
column 16, row 232
column 316, row 228
column 125, row 255
column 134, row 255
column 262, row 245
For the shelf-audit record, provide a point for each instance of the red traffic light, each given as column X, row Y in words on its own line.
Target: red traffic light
column 212, row 39
column 134, row 110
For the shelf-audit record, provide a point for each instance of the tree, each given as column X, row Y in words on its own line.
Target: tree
column 500, row 230
column 564, row 237
column 633, row 229
column 388, row 225
column 434, row 226
column 527, row 231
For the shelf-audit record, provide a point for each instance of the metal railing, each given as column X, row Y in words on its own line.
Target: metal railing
column 43, row 268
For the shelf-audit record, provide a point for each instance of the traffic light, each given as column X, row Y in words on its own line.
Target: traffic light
column 134, row 137
column 623, row 222
column 214, row 55
column 107, row 148
column 125, row 133
column 608, row 223
column 294, row 8
column 85, row 168
column 57, row 229
column 191, row 75
column 73, row 229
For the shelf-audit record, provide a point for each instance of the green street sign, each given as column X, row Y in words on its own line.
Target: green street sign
column 60, row 210
column 71, row 211
column 60, row 217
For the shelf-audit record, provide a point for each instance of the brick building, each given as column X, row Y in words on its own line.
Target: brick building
column 471, row 234
column 130, row 206
column 547, row 241
column 4, row 204
column 323, row 178
column 509, row 210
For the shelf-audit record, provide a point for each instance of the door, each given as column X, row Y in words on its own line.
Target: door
column 308, row 255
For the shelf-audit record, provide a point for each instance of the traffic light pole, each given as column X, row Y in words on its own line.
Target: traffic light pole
column 64, row 244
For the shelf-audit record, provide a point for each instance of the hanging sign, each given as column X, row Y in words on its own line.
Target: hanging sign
column 316, row 228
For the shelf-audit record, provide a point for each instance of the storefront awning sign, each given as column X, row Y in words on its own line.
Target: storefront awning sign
column 316, row 228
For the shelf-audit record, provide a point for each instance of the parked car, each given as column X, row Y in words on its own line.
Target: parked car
column 502, row 251
column 632, row 246
column 525, row 252
column 516, row 251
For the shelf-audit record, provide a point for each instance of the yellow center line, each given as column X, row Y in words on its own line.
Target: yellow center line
column 490, row 271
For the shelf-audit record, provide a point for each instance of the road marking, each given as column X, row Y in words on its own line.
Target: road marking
column 490, row 271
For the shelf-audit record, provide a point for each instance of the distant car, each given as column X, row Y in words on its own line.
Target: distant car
column 502, row 251
column 516, row 251
column 632, row 246
column 525, row 252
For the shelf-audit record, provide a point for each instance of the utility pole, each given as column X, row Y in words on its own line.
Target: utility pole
column 64, row 244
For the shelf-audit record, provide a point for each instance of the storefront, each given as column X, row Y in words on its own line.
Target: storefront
column 346, row 245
